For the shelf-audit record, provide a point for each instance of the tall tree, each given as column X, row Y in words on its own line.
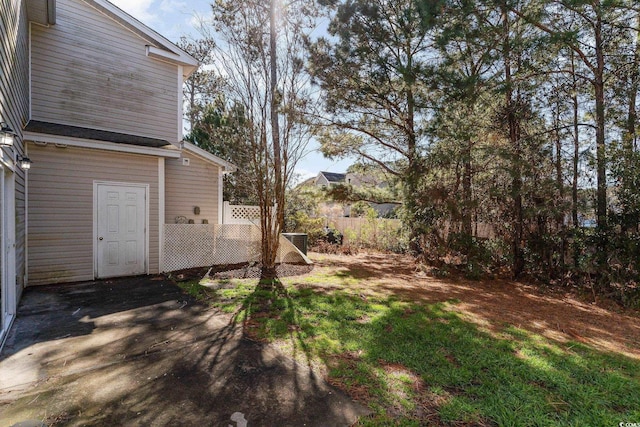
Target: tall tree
column 220, row 129
column 512, row 102
column 260, row 57
column 274, row 120
column 465, row 74
column 628, row 172
column 204, row 85
column 371, row 72
column 588, row 28
column 484, row 48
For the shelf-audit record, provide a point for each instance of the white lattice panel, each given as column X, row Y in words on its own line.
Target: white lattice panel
column 201, row 245
column 188, row 246
column 245, row 212
column 241, row 214
column 236, row 243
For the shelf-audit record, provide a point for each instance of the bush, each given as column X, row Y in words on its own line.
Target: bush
column 378, row 234
column 300, row 222
column 325, row 247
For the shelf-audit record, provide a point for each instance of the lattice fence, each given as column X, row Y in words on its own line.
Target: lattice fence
column 241, row 214
column 197, row 245
column 236, row 243
column 188, row 246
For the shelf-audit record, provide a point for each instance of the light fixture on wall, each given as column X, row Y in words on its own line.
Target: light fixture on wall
column 7, row 138
column 7, row 135
column 24, row 162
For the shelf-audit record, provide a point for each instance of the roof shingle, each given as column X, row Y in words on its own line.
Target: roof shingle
column 95, row 134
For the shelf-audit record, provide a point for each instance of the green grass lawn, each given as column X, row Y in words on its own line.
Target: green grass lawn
column 422, row 364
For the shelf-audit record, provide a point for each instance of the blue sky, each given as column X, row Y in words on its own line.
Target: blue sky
column 175, row 18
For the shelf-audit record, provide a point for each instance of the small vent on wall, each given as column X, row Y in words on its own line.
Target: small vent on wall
column 186, row 162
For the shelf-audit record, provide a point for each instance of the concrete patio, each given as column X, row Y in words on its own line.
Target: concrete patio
column 138, row 351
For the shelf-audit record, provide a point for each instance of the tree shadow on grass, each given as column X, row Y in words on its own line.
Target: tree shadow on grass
column 270, row 313
column 422, row 364
column 471, row 376
column 176, row 362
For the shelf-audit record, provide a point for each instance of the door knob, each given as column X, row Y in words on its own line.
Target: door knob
column 100, row 238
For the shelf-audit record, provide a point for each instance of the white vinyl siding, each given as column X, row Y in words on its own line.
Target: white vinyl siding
column 90, row 71
column 61, row 229
column 189, row 186
column 14, row 103
column 321, row 181
column 37, row 11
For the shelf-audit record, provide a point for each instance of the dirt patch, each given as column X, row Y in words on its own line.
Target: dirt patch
column 491, row 304
column 252, row 271
column 239, row 271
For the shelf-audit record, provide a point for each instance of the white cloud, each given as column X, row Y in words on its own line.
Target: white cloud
column 196, row 20
column 139, row 9
column 171, row 18
column 173, row 6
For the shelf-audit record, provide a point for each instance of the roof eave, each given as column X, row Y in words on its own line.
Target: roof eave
column 63, row 141
column 227, row 166
column 189, row 64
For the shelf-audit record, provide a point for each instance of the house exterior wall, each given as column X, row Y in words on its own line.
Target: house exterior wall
column 14, row 106
column 90, row 71
column 61, row 228
column 190, row 186
column 37, row 11
column 321, row 181
column 358, row 180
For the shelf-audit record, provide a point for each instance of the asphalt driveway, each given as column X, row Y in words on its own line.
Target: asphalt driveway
column 138, row 351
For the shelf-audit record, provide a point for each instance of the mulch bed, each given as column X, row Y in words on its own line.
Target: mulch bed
column 239, row 271
column 252, row 271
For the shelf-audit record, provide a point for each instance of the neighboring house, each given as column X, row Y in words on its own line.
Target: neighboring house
column 327, row 179
column 95, row 100
column 383, row 210
column 358, row 180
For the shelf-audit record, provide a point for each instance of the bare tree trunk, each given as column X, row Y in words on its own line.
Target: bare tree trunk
column 466, row 191
column 275, row 125
column 516, row 160
column 272, row 226
column 632, row 115
column 414, row 171
column 560, row 223
column 257, row 62
column 601, row 160
column 576, row 145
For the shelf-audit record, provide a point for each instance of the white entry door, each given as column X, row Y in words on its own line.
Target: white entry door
column 121, row 223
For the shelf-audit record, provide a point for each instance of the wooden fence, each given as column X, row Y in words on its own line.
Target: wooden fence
column 363, row 228
column 358, row 225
